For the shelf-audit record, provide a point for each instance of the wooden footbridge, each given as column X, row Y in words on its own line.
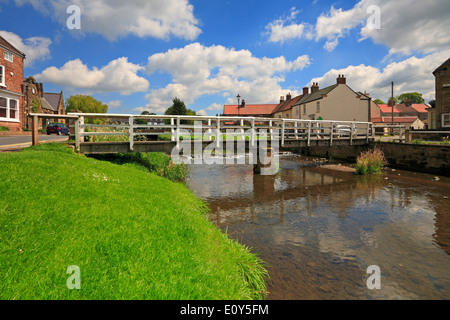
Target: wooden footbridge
column 121, row 133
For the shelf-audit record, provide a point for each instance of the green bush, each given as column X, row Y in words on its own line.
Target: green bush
column 370, row 162
column 4, row 128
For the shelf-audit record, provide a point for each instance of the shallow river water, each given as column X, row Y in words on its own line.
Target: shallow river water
column 319, row 229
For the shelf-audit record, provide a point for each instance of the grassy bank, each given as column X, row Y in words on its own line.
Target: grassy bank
column 133, row 235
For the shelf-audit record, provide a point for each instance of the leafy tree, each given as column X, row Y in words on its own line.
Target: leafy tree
column 178, row 108
column 415, row 97
column 85, row 104
column 432, row 103
column 378, row 101
column 144, row 113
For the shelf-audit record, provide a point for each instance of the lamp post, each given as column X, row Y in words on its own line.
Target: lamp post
column 239, row 101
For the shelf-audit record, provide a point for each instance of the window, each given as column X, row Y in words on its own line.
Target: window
column 2, row 76
column 304, row 109
column 318, row 107
column 3, row 107
column 8, row 56
column 13, row 109
column 446, row 120
column 9, row 109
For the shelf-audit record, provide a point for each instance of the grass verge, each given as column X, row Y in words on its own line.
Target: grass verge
column 133, row 235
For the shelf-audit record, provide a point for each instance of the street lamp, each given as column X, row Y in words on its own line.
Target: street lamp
column 239, row 101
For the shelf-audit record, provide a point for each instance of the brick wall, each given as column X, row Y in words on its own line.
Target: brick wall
column 14, row 73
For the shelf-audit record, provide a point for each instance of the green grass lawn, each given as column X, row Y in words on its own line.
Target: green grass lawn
column 133, row 234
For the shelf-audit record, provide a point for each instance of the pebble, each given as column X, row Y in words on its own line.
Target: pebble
column 436, row 179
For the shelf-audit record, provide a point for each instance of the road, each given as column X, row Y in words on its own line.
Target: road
column 14, row 143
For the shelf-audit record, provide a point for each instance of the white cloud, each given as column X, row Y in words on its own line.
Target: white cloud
column 410, row 75
column 114, row 19
column 406, row 25
column 114, row 104
column 214, row 107
column 197, row 70
column 35, row 48
column 285, row 29
column 118, row 76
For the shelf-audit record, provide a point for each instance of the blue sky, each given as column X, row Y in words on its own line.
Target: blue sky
column 138, row 55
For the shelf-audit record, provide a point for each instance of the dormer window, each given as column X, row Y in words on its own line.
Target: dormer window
column 9, row 56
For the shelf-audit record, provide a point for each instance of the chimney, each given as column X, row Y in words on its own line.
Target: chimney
column 341, row 79
column 305, row 91
column 243, row 103
column 315, row 87
column 391, row 103
column 408, row 102
column 281, row 99
column 288, row 97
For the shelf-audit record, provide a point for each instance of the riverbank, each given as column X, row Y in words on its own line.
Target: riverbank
column 133, row 234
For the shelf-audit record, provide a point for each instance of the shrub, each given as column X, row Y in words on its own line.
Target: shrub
column 370, row 162
column 2, row 128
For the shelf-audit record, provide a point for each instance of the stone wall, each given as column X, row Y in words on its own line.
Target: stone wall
column 432, row 159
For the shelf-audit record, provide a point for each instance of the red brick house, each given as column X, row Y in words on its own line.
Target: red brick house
column 11, row 79
column 38, row 101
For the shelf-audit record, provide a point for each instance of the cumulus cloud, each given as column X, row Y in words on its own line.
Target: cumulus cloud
column 405, row 27
column 35, row 48
column 198, row 70
column 118, row 76
column 114, row 19
column 285, row 28
column 410, row 75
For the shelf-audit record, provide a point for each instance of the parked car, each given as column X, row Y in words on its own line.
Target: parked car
column 344, row 131
column 58, row 128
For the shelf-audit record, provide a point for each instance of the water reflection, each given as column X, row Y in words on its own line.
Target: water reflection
column 319, row 229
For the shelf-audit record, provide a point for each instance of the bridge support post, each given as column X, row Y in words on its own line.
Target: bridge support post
column 266, row 166
column 35, row 132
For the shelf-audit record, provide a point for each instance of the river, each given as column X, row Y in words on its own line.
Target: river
column 320, row 228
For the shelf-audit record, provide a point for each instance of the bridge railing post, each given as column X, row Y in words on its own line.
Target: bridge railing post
column 131, row 131
column 172, row 130
column 332, row 134
column 283, row 132
column 178, row 132
column 309, row 132
column 218, row 133
column 253, row 133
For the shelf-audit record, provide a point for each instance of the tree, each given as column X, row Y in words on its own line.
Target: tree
column 378, row 101
column 432, row 103
column 415, row 97
column 85, row 104
column 178, row 108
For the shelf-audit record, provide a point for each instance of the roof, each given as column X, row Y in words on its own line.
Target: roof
column 53, row 100
column 316, row 95
column 402, row 108
column 10, row 47
column 387, row 108
column 396, row 119
column 442, row 66
column 287, row 105
column 249, row 109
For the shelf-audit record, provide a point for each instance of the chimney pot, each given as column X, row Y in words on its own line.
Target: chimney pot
column 289, row 96
column 281, row 99
column 341, row 80
column 305, row 91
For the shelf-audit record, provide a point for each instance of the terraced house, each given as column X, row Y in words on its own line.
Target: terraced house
column 11, row 79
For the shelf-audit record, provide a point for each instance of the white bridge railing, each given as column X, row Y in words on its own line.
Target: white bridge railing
column 132, row 128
